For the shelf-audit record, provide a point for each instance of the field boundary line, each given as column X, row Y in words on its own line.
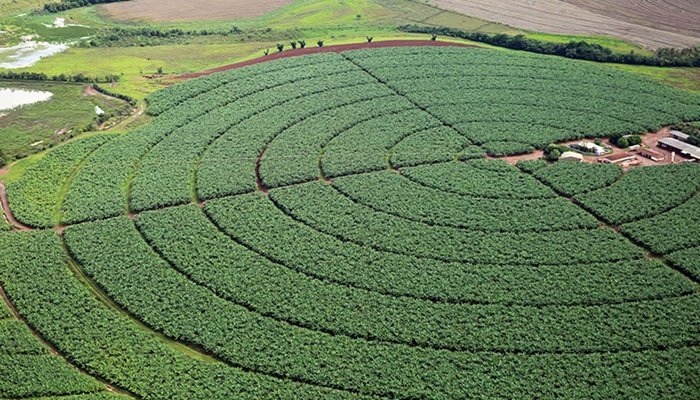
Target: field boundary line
column 52, row 350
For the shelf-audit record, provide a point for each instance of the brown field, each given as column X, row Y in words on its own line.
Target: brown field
column 189, row 10
column 651, row 23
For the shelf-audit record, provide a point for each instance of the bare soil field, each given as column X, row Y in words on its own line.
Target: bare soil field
column 188, row 10
column 651, row 23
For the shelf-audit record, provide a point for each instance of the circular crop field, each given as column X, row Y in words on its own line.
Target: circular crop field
column 327, row 226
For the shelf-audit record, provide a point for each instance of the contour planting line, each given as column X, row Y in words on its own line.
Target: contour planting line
column 646, row 251
column 109, row 386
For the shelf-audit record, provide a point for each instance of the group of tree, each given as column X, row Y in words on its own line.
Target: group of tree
column 70, row 4
column 40, row 76
column 553, row 151
column 146, row 36
column 623, row 141
column 582, row 50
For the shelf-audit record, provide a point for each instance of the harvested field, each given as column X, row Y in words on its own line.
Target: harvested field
column 183, row 10
column 652, row 23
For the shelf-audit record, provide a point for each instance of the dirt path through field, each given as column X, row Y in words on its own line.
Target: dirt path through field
column 651, row 23
column 8, row 213
column 325, row 49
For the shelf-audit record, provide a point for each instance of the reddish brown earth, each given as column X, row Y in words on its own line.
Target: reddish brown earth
column 188, row 10
column 325, row 49
column 650, row 23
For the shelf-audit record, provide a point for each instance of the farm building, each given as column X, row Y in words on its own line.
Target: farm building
column 651, row 154
column 571, row 156
column 680, row 135
column 684, row 148
column 592, row 148
column 618, row 158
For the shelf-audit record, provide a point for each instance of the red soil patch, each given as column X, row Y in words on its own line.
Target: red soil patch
column 326, row 49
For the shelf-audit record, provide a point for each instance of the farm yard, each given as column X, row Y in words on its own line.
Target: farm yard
column 328, row 226
column 652, row 23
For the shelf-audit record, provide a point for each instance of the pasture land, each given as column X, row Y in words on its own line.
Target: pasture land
column 652, row 23
column 326, row 226
column 32, row 128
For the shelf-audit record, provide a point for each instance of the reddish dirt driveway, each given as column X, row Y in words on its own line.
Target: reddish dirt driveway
column 314, row 49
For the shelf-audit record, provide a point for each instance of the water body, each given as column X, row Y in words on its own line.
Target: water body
column 12, row 98
column 28, row 53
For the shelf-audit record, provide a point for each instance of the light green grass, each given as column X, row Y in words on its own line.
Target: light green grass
column 67, row 109
column 683, row 78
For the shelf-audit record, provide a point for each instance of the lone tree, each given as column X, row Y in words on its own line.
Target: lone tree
column 280, row 47
column 320, row 43
column 433, row 37
column 266, row 52
column 302, row 43
column 369, row 39
column 294, row 45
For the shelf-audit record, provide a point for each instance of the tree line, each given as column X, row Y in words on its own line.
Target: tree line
column 581, row 50
column 64, row 5
column 40, row 76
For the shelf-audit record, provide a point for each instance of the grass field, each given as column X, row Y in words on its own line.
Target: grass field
column 327, row 226
column 50, row 121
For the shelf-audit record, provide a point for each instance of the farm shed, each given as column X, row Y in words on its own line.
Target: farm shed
column 680, row 135
column 618, row 158
column 593, row 148
column 651, row 154
column 571, row 156
column 684, row 148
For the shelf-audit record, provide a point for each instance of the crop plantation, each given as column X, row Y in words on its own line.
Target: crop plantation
column 334, row 226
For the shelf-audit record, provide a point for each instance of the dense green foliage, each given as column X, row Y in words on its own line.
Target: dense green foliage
column 328, row 227
column 582, row 50
column 64, row 5
column 35, row 198
column 105, row 343
column 572, row 178
column 687, row 260
column 673, row 230
column 643, row 192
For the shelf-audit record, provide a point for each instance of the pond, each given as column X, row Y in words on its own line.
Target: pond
column 27, row 53
column 11, row 98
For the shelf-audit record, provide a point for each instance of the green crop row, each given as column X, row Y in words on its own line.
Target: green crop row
column 256, row 223
column 468, row 179
column 101, row 188
column 440, row 144
column 35, row 274
column 319, row 206
column 673, row 230
column 571, row 178
column 643, row 192
column 268, row 73
column 133, row 275
column 35, row 197
column 29, row 370
column 687, row 260
column 229, row 165
column 294, row 155
column 390, row 193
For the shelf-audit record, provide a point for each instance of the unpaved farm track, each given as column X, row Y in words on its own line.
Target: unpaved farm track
column 188, row 10
column 651, row 23
column 326, row 49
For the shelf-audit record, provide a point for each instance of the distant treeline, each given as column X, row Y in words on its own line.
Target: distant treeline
column 581, row 50
column 39, row 76
column 130, row 100
column 64, row 5
column 152, row 37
